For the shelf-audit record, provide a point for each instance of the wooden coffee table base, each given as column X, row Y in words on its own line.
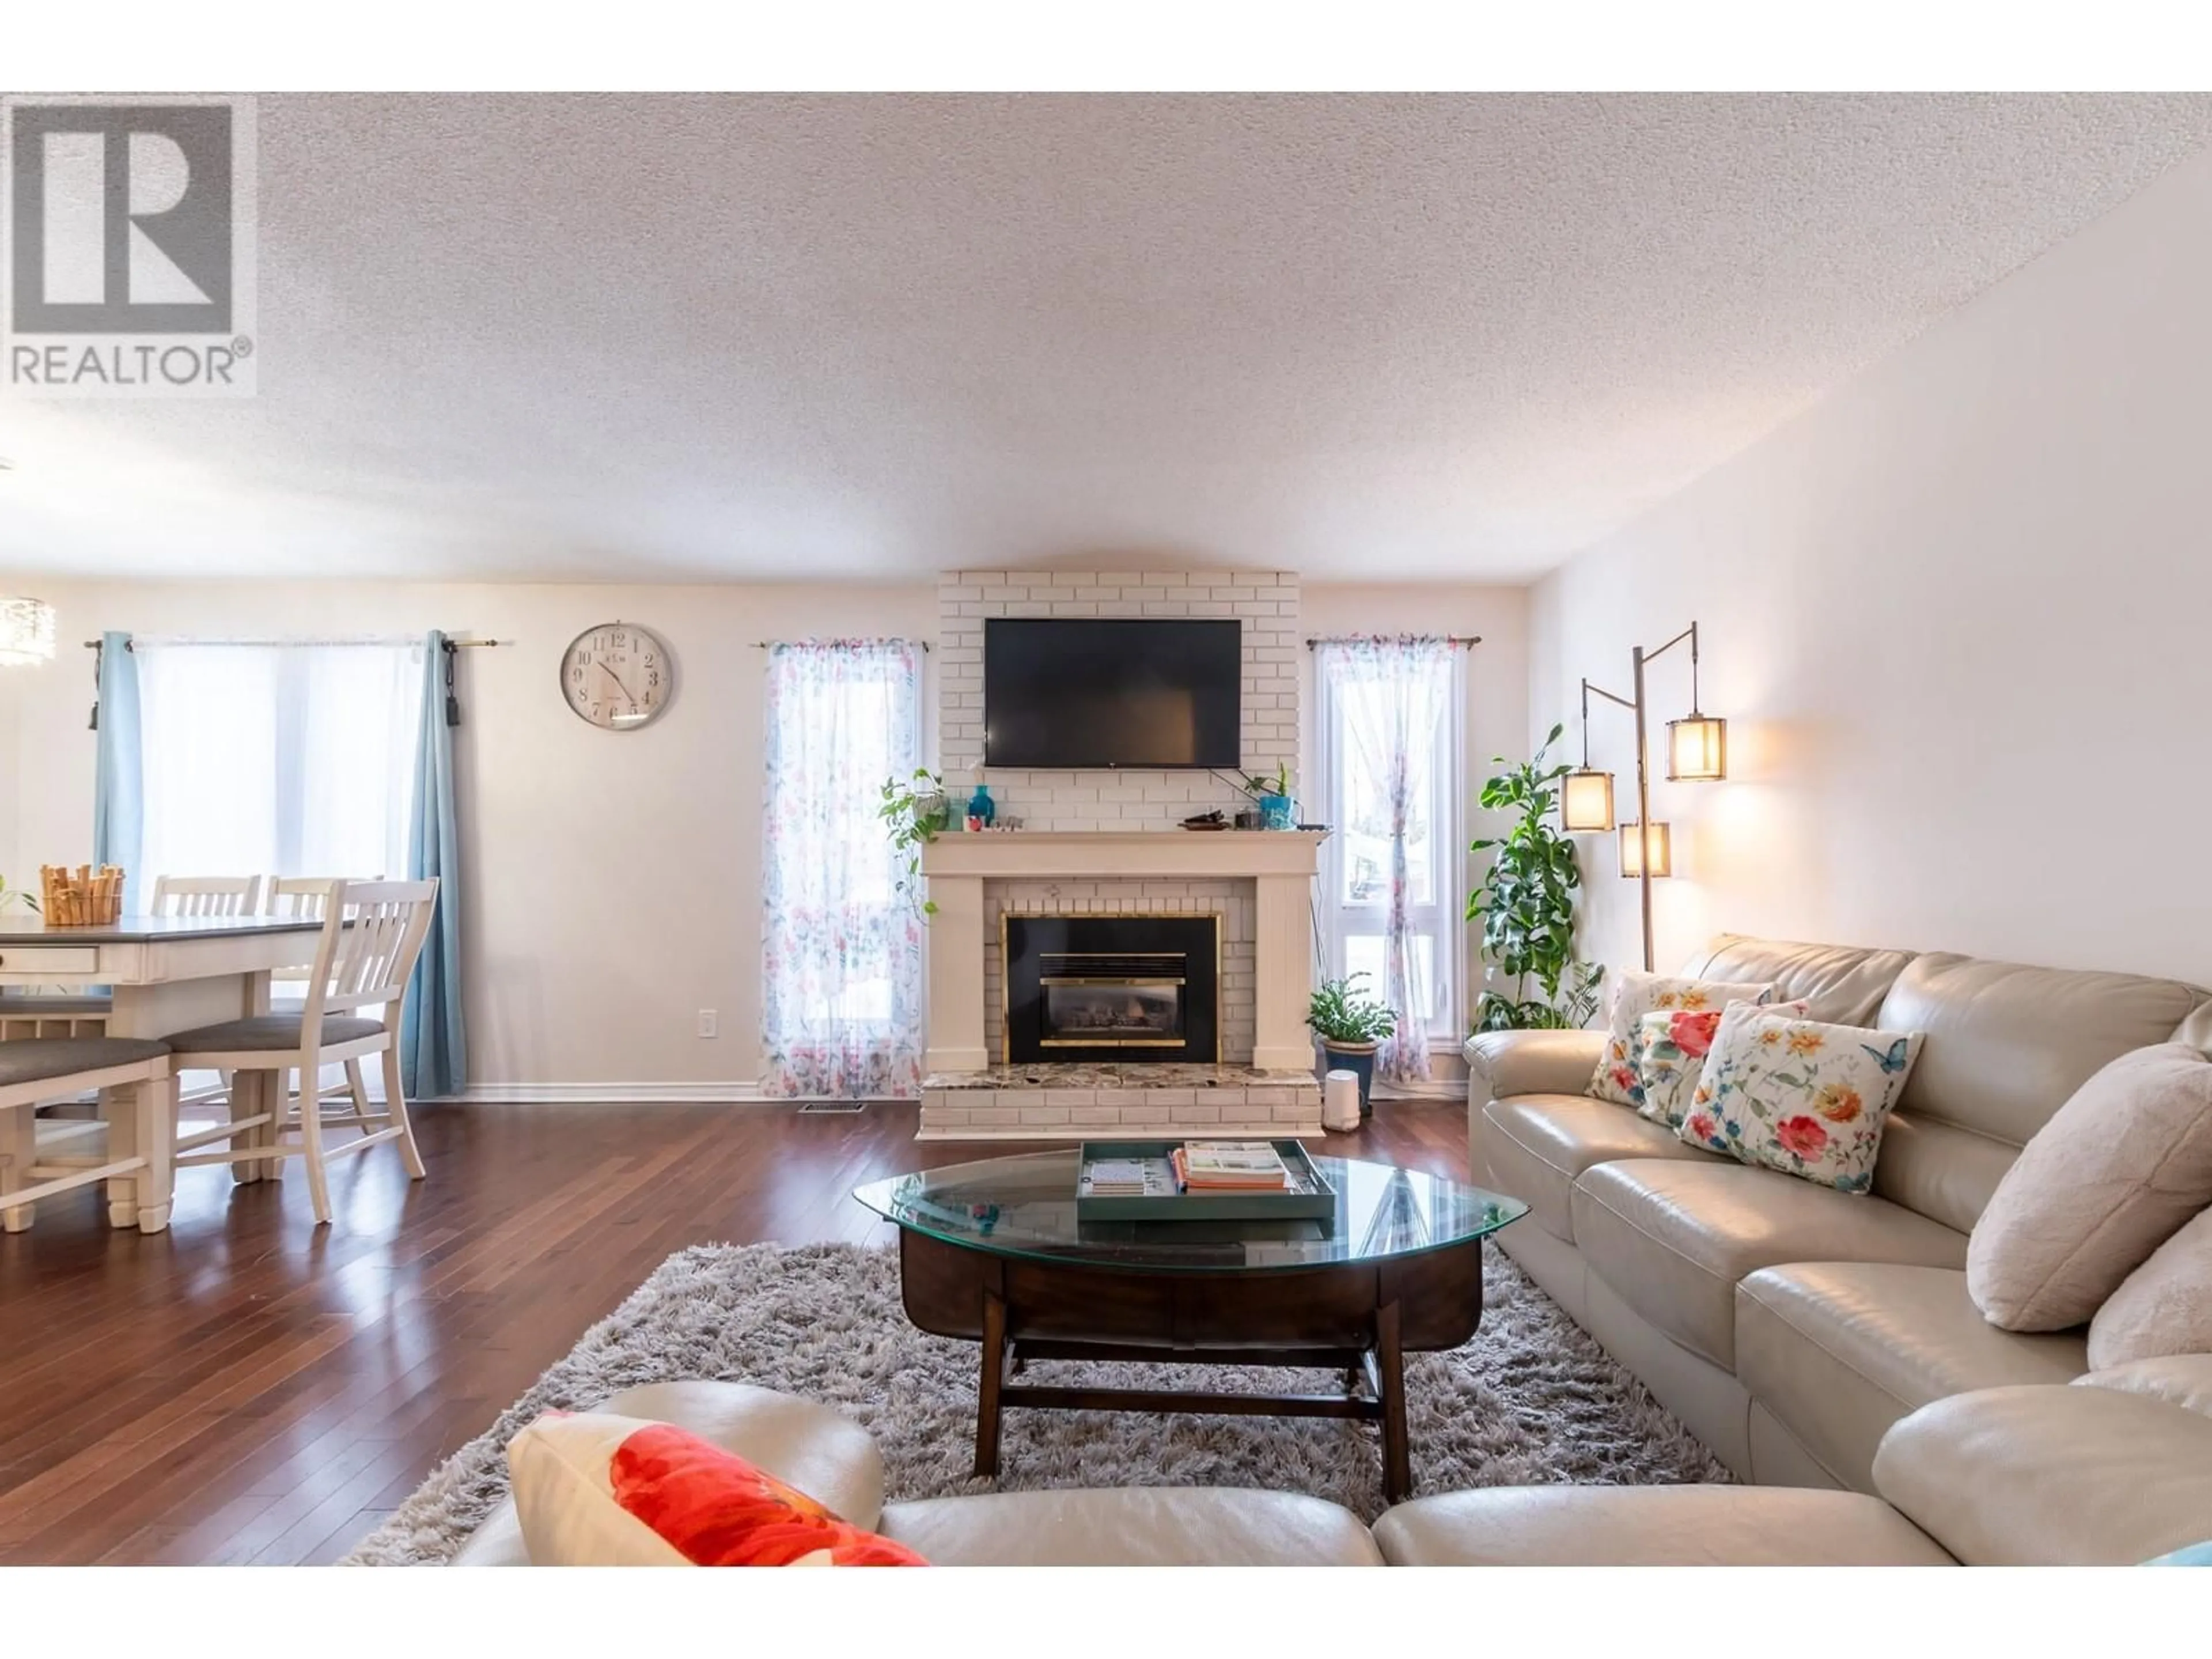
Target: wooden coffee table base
column 1360, row 1319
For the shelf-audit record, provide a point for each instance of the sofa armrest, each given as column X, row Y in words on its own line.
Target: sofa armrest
column 1503, row 1063
column 2050, row 1475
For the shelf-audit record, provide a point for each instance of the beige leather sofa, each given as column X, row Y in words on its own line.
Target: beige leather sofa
column 2112, row 1474
column 1787, row 1325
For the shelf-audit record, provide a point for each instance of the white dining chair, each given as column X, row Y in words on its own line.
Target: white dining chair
column 371, row 933
column 206, row 896
column 133, row 1139
column 310, row 897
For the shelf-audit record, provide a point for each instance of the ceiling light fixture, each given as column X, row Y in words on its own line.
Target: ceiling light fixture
column 27, row 632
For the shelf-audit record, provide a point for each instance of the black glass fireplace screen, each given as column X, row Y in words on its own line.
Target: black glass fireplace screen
column 1130, row 988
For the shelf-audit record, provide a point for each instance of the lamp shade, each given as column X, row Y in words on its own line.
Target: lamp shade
column 1632, row 845
column 1586, row 802
column 27, row 632
column 1697, row 749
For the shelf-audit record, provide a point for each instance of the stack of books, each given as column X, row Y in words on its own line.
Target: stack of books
column 1230, row 1166
column 1117, row 1178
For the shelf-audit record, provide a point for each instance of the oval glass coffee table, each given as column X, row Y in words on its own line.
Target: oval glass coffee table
column 995, row 1252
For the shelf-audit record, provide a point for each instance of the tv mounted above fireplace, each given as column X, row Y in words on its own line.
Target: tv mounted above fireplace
column 1092, row 695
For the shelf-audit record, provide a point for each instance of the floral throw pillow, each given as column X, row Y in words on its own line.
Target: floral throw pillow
column 1638, row 994
column 1670, row 1058
column 1800, row 1097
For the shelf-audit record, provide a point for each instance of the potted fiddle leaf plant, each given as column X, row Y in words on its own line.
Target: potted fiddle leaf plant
column 1526, row 905
column 1350, row 1025
column 914, row 811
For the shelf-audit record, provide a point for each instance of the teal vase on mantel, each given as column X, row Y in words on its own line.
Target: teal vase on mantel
column 981, row 807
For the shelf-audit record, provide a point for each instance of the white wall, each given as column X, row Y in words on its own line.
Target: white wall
column 613, row 879
column 1959, row 617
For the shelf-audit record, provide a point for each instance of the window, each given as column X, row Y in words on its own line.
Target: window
column 1387, row 730
column 841, row 946
column 294, row 760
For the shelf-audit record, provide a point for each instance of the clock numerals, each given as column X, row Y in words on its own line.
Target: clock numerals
column 615, row 676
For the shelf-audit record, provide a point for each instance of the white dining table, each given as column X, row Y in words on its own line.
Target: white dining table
column 167, row 973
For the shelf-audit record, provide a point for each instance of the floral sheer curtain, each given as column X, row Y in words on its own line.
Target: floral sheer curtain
column 1386, row 707
column 841, row 947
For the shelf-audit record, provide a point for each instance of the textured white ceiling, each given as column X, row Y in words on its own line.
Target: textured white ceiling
column 646, row 337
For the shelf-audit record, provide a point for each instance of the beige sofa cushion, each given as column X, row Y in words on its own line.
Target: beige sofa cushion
column 822, row 1453
column 1133, row 1527
column 1652, row 1527
column 2007, row 1047
column 1844, row 983
column 1672, row 1239
column 2180, row 1379
column 1536, row 1144
column 2116, row 1171
column 2163, row 1307
column 1836, row 1351
column 2051, row 1477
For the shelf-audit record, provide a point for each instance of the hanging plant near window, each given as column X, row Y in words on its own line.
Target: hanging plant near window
column 1526, row 905
column 914, row 811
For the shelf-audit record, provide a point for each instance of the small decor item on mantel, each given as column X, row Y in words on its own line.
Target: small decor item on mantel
column 982, row 811
column 1278, row 811
column 1351, row 1026
column 915, row 813
column 1213, row 820
column 90, row 898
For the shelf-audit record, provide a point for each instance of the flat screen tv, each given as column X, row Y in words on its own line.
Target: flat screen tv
column 1095, row 694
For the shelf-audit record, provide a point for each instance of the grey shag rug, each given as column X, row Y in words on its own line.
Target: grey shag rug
column 1531, row 1400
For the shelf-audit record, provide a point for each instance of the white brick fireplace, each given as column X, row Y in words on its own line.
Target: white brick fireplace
column 1257, row 880
column 1105, row 842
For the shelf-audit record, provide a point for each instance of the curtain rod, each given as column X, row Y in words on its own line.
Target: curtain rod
column 1354, row 639
column 354, row 639
column 770, row 645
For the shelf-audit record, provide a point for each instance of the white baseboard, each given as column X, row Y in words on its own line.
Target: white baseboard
column 617, row 1094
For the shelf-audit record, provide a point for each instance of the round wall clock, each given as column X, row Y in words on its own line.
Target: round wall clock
column 617, row 675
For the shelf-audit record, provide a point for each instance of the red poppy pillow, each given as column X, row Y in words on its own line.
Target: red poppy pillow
column 1795, row 1095
column 1670, row 1057
column 593, row 1489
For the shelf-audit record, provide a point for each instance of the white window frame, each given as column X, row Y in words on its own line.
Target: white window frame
column 1443, row 919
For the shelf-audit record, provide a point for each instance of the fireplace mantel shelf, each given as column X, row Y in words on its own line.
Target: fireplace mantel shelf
column 1123, row 854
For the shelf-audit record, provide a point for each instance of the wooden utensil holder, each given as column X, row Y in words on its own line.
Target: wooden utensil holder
column 89, row 898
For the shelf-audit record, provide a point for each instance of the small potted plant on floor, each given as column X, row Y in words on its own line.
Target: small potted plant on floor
column 1350, row 1026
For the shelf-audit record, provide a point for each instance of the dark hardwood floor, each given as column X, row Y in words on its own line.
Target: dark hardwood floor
column 247, row 1387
